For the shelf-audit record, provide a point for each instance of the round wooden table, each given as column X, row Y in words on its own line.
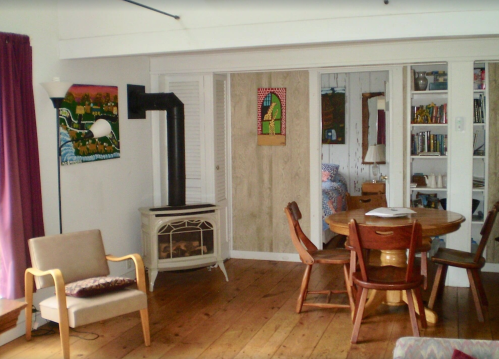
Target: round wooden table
column 434, row 222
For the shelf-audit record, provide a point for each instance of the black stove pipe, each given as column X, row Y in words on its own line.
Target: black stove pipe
column 138, row 103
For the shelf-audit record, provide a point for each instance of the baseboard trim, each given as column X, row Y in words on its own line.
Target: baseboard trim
column 268, row 256
column 491, row 267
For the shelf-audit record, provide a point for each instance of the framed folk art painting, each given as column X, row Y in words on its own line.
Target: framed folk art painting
column 82, row 106
column 333, row 115
column 271, row 117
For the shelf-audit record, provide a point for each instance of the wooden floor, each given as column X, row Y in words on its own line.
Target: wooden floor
column 197, row 314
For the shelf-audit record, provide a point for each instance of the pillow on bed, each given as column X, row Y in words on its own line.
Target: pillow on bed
column 329, row 170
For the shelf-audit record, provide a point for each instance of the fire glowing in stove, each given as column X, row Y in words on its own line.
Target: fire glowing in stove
column 185, row 238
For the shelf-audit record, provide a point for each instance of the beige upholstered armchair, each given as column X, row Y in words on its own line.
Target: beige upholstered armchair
column 77, row 259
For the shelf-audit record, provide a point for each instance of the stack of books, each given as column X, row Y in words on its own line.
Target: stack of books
column 428, row 143
column 478, row 182
column 479, row 109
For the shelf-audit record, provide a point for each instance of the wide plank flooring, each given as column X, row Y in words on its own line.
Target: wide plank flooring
column 197, row 314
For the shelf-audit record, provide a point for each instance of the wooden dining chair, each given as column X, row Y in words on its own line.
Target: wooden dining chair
column 310, row 255
column 369, row 202
column 368, row 277
column 472, row 262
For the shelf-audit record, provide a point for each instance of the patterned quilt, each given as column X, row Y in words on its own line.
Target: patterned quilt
column 333, row 197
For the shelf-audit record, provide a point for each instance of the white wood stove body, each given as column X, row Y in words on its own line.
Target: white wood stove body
column 176, row 238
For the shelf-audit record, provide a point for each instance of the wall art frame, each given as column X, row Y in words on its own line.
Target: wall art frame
column 271, row 130
column 81, row 107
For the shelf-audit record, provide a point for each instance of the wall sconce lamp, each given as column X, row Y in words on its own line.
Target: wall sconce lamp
column 57, row 92
column 375, row 153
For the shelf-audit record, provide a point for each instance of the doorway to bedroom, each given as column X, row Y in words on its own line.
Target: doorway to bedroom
column 350, row 104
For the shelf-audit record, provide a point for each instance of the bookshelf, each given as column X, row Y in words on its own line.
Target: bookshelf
column 428, row 138
column 480, row 148
column 427, row 145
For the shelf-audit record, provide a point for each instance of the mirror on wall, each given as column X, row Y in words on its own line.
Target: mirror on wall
column 373, row 121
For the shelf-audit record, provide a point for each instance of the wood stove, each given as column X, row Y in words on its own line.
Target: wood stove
column 180, row 237
column 177, row 236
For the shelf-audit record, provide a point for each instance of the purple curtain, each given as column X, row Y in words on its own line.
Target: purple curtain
column 20, row 188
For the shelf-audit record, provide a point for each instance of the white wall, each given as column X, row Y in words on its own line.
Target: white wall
column 104, row 194
column 111, row 28
column 349, row 155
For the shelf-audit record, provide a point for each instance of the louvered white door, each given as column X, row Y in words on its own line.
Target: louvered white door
column 220, row 157
column 189, row 91
column 220, row 139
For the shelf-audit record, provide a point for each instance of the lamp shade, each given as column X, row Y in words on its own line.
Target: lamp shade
column 56, row 89
column 375, row 153
column 100, row 128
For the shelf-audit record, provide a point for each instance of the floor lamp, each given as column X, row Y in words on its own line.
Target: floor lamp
column 57, row 92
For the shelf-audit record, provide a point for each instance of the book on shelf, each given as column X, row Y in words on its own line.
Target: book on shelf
column 479, row 182
column 479, row 79
column 479, row 109
column 425, row 143
column 429, row 114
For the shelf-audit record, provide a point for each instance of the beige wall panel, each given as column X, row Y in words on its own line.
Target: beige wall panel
column 266, row 178
column 493, row 190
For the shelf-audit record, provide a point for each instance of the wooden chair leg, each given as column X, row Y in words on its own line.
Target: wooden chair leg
column 361, row 303
column 437, row 284
column 479, row 286
column 476, row 298
column 424, row 269
column 64, row 333
column 353, row 267
column 28, row 295
column 349, row 288
column 304, row 288
column 144, row 316
column 357, row 301
column 422, row 313
column 412, row 313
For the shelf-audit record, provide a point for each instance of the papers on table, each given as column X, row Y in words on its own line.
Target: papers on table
column 390, row 212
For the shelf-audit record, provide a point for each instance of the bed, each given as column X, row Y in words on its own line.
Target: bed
column 334, row 188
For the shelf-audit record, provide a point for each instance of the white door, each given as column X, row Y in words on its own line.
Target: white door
column 189, row 89
column 220, row 157
column 386, row 173
column 394, row 138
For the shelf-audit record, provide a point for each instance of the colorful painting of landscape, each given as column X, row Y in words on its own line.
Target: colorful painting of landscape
column 82, row 106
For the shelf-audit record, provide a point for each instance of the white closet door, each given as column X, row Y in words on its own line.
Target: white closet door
column 220, row 158
column 189, row 91
column 220, row 140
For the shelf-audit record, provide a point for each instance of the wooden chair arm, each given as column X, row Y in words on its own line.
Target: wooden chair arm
column 59, row 292
column 139, row 268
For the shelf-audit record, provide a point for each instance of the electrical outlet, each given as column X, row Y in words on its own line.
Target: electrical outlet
column 129, row 264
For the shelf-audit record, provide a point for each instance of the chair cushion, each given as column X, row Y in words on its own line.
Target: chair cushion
column 82, row 311
column 97, row 285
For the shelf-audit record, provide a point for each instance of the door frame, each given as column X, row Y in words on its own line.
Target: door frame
column 395, row 139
